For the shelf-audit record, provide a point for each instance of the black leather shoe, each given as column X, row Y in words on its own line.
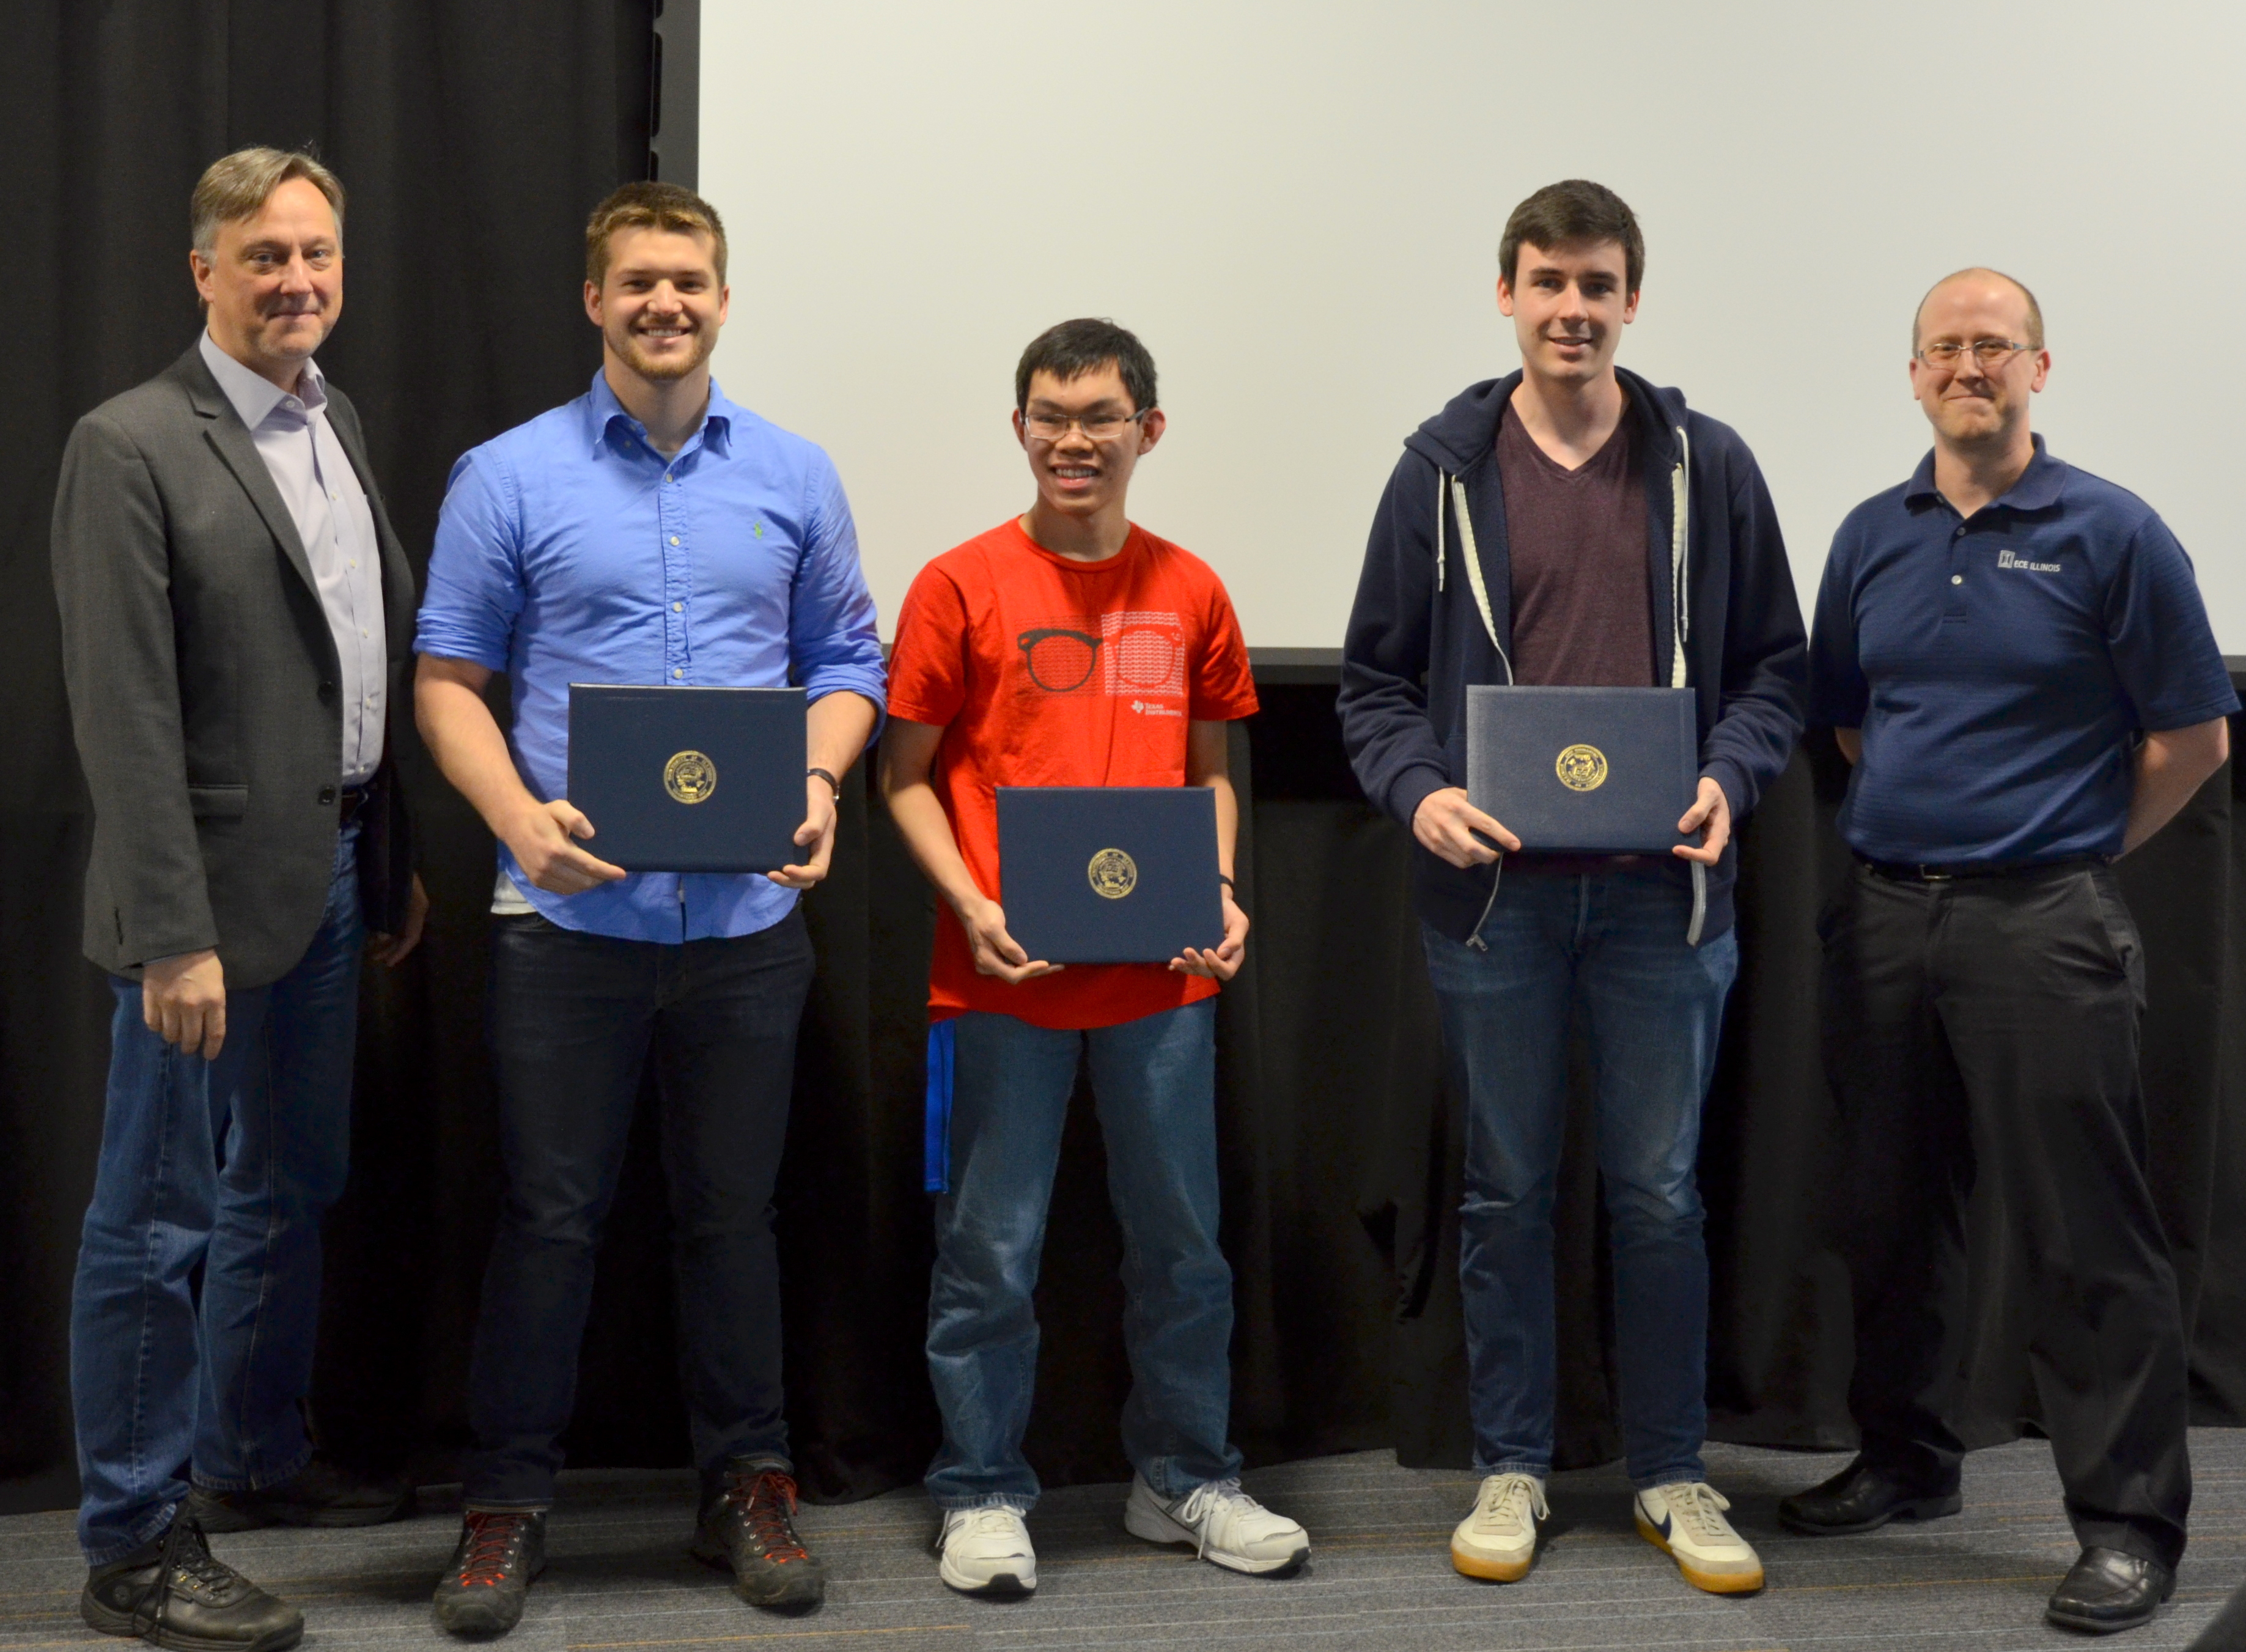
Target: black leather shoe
column 320, row 1493
column 173, row 1592
column 1863, row 1497
column 499, row 1552
column 750, row 1526
column 2108, row 1590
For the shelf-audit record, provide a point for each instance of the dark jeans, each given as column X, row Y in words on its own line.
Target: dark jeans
column 1609, row 946
column 1154, row 1081
column 224, row 1166
column 1991, row 1024
column 575, row 1019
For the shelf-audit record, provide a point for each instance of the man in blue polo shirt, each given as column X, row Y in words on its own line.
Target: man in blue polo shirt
column 649, row 532
column 2014, row 656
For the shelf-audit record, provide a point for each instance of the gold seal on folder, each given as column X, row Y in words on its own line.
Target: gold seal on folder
column 1581, row 768
column 1114, row 874
column 690, row 777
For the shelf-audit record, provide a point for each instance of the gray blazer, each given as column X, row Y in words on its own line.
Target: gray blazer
column 203, row 686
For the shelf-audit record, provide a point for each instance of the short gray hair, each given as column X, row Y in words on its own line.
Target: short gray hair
column 238, row 186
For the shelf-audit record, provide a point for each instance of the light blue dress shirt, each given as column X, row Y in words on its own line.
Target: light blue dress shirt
column 317, row 484
column 570, row 550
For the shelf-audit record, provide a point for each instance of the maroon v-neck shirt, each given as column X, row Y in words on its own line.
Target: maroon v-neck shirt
column 1582, row 614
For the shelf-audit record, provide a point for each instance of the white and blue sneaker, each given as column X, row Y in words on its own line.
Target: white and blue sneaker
column 987, row 1552
column 1224, row 1525
column 1686, row 1521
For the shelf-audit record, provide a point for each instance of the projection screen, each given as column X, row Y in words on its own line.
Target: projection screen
column 1298, row 208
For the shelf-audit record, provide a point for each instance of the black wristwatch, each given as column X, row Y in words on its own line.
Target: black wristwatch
column 829, row 778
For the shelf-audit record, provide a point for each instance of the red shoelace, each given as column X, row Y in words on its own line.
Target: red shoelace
column 491, row 1535
column 767, row 1500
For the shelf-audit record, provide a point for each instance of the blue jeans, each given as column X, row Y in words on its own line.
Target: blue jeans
column 1154, row 1081
column 575, row 1018
column 1609, row 947
column 225, row 1167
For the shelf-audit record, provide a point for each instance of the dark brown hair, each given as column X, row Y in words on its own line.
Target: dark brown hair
column 1574, row 213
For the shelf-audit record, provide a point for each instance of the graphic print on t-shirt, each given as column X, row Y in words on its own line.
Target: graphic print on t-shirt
column 1133, row 654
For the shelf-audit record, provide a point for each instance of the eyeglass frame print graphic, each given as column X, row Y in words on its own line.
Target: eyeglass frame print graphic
column 1164, row 680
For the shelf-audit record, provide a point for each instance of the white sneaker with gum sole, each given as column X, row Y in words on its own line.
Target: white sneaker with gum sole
column 1498, row 1540
column 987, row 1552
column 1224, row 1525
column 1686, row 1521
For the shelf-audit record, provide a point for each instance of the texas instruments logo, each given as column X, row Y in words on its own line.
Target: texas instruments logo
column 2007, row 559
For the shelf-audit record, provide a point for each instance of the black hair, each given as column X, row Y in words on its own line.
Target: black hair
column 1075, row 348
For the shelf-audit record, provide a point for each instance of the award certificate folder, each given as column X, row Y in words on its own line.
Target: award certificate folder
column 1109, row 874
column 689, row 780
column 1585, row 771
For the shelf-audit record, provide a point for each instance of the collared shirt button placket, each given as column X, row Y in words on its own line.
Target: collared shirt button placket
column 677, row 562
column 676, row 586
column 1955, row 607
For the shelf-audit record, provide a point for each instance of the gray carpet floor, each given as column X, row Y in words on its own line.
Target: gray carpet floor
column 1379, row 1577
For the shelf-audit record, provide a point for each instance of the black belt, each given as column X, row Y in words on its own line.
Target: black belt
column 349, row 802
column 1901, row 872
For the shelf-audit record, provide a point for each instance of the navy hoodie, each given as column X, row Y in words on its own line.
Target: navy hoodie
column 1726, row 622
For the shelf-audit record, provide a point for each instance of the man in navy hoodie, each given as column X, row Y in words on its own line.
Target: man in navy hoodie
column 1571, row 524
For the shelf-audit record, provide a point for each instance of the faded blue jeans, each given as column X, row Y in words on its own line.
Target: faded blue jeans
column 1609, row 946
column 225, row 1165
column 1154, row 1081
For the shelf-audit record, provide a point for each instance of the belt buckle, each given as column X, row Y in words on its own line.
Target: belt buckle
column 1934, row 875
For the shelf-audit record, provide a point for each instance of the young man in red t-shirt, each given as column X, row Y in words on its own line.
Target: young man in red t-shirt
column 1069, row 647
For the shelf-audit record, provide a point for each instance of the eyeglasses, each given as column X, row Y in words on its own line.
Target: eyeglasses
column 1147, row 658
column 1987, row 353
column 1099, row 426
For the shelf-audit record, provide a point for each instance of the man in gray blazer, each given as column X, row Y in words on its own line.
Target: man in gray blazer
column 236, row 615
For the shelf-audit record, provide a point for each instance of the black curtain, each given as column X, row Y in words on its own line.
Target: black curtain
column 474, row 137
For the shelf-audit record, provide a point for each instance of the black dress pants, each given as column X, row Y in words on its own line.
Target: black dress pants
column 1990, row 1025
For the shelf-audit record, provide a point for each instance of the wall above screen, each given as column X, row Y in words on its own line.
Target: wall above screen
column 1298, row 208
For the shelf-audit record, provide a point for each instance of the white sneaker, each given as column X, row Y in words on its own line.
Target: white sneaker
column 1685, row 1519
column 1498, row 1540
column 1223, row 1524
column 987, row 1552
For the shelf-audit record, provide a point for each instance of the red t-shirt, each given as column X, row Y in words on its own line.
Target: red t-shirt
column 1045, row 672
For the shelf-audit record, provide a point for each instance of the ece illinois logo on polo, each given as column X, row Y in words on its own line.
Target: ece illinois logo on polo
column 1581, row 768
column 1113, row 874
column 690, row 777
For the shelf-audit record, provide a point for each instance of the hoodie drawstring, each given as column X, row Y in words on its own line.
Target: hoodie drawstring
column 1680, row 608
column 1467, row 549
column 1440, row 478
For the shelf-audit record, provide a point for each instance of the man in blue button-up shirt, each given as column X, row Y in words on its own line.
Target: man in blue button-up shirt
column 2013, row 655
column 650, row 532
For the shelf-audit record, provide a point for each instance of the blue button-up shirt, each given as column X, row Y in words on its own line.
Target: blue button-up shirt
column 570, row 550
column 2001, row 665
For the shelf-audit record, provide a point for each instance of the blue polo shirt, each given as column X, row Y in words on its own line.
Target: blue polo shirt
column 2002, row 666
column 570, row 550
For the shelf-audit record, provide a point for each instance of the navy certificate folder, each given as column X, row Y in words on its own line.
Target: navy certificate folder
column 689, row 780
column 1587, row 771
column 1109, row 874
